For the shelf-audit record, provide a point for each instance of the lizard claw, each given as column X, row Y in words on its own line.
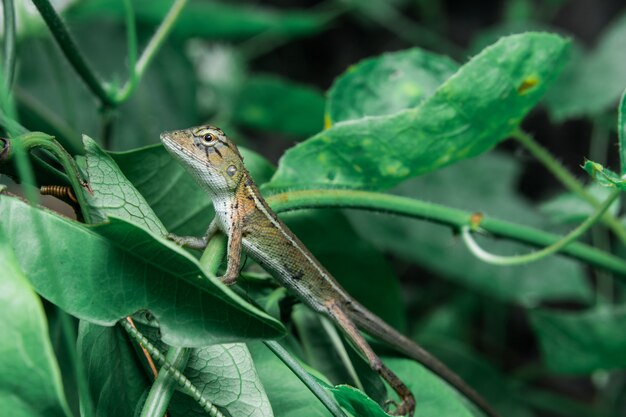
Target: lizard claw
column 406, row 407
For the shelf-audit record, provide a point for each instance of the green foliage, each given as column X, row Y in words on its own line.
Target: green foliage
column 419, row 123
column 487, row 187
column 31, row 383
column 580, row 343
column 119, row 261
column 472, row 111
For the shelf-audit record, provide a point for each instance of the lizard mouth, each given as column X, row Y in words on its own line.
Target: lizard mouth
column 173, row 146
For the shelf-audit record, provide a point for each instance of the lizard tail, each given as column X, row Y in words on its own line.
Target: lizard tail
column 376, row 327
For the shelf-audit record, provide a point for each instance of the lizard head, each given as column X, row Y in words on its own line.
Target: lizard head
column 207, row 153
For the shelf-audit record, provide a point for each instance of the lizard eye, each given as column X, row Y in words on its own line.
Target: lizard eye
column 208, row 138
column 231, row 170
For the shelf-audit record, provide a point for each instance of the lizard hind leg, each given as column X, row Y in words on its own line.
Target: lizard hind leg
column 407, row 406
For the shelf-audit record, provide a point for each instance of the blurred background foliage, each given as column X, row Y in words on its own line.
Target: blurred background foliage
column 552, row 331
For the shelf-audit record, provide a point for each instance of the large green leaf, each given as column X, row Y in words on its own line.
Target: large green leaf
column 31, row 383
column 387, row 84
column 581, row 342
column 468, row 114
column 275, row 104
column 226, row 376
column 593, row 81
column 484, row 185
column 113, row 195
column 180, row 203
column 288, row 395
column 207, row 18
column 117, row 384
column 113, row 270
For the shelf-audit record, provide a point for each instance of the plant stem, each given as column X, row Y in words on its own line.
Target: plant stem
column 181, row 379
column 371, row 201
column 69, row 339
column 567, row 179
column 33, row 140
column 540, row 254
column 70, row 49
column 150, row 51
column 317, row 390
column 340, row 348
column 8, row 9
column 163, row 388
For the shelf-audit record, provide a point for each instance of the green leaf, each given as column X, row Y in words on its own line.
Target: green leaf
column 113, row 195
column 621, row 132
column 506, row 395
column 180, row 203
column 116, row 383
column 275, row 104
column 356, row 402
column 434, row 396
column 387, row 84
column 581, row 342
column 604, row 176
column 322, row 354
column 468, row 114
column 206, row 18
column 485, row 185
column 593, row 81
column 226, row 376
column 570, row 207
column 31, row 383
column 110, row 271
column 294, row 401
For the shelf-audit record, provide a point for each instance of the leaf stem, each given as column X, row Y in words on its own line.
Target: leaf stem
column 41, row 140
column 150, row 51
column 340, row 348
column 485, row 256
column 8, row 9
column 325, row 398
column 108, row 96
column 384, row 203
column 163, row 388
column 70, row 49
column 568, row 180
column 181, row 379
column 68, row 330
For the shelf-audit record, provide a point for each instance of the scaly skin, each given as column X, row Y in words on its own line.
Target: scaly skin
column 244, row 216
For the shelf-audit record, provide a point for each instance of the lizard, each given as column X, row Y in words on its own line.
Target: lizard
column 242, row 214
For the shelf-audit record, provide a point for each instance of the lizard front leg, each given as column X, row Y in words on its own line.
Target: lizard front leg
column 195, row 242
column 233, row 254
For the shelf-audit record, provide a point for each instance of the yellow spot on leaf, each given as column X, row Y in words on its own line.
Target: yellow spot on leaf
column 395, row 169
column 411, row 90
column 527, row 84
